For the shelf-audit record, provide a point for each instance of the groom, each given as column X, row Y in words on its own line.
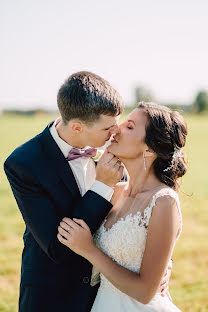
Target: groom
column 53, row 176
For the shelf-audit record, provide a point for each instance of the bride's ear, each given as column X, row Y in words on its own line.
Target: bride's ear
column 149, row 152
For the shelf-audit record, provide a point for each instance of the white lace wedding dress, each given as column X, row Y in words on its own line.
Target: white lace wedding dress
column 125, row 242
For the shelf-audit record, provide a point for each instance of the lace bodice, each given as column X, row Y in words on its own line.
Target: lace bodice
column 125, row 241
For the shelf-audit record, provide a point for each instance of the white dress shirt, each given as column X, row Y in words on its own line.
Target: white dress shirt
column 83, row 169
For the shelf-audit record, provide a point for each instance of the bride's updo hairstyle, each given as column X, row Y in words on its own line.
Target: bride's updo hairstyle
column 166, row 133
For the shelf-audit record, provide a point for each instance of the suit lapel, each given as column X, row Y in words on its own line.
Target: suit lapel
column 58, row 162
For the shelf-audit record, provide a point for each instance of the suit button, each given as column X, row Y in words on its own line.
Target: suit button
column 86, row 279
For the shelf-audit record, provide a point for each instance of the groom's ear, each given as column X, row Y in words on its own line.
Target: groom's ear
column 76, row 126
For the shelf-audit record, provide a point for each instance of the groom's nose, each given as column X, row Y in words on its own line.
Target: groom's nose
column 115, row 130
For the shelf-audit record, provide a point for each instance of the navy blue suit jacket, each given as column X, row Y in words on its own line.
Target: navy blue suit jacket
column 53, row 278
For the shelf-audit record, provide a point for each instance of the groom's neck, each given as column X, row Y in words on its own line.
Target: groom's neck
column 67, row 135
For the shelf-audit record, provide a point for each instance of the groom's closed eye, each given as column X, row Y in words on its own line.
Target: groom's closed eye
column 109, row 128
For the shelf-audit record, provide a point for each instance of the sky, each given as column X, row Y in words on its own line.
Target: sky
column 158, row 44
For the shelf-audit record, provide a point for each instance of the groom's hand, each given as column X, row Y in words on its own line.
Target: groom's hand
column 165, row 281
column 109, row 169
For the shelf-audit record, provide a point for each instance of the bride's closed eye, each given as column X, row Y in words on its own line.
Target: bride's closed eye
column 129, row 126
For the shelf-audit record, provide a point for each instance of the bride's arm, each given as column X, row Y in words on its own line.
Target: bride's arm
column 163, row 228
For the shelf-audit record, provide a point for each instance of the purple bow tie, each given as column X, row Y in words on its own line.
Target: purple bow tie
column 75, row 153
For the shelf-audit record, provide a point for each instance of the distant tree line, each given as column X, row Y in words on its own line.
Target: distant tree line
column 199, row 104
column 25, row 112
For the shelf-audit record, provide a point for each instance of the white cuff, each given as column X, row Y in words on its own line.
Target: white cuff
column 102, row 189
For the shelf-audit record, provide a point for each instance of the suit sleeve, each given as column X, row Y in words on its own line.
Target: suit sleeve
column 39, row 213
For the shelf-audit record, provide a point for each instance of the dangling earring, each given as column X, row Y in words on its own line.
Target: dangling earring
column 145, row 167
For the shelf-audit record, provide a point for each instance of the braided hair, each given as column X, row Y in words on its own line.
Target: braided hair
column 166, row 133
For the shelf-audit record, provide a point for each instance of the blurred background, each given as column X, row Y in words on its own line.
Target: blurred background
column 148, row 50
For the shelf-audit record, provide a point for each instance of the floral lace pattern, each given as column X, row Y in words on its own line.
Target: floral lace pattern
column 125, row 241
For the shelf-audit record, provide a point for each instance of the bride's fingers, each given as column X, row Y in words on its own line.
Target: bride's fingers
column 63, row 240
column 82, row 223
column 121, row 170
column 64, row 233
column 117, row 164
column 71, row 223
column 66, row 227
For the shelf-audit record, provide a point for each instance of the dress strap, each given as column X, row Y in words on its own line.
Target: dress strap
column 163, row 192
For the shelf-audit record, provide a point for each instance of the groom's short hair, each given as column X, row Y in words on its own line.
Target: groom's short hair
column 86, row 96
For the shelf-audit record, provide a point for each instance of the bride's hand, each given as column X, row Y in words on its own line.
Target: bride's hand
column 76, row 235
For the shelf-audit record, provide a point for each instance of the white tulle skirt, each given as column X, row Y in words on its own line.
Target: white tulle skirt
column 111, row 300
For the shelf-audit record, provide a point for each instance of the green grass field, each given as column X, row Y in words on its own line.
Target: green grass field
column 189, row 281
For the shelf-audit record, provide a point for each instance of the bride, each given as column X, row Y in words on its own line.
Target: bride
column 134, row 244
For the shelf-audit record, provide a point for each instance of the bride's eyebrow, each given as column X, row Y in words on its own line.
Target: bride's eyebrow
column 131, row 121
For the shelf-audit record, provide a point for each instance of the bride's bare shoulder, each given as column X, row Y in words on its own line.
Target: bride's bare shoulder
column 118, row 190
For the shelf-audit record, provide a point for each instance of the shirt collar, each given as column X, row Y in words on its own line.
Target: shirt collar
column 64, row 147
